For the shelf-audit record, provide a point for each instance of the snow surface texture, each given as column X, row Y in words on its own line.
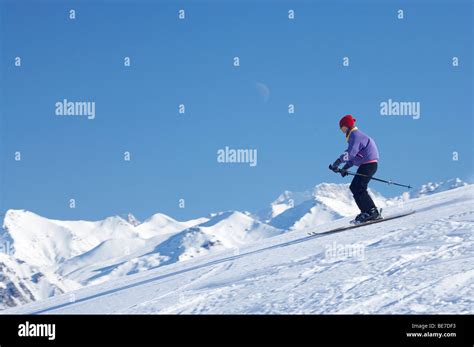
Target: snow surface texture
column 232, row 262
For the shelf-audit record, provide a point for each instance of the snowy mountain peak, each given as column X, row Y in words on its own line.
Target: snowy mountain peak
column 133, row 220
column 161, row 224
column 160, row 219
column 292, row 197
column 46, row 242
column 12, row 215
column 228, row 217
column 114, row 222
column 284, row 196
column 283, row 202
column 431, row 188
column 331, row 190
column 225, row 230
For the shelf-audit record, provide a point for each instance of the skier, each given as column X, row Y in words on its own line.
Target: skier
column 362, row 152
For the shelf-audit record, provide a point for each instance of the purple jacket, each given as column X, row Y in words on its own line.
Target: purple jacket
column 362, row 149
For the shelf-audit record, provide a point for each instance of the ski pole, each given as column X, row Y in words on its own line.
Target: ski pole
column 376, row 179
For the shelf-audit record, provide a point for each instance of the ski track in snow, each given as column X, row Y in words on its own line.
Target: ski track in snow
column 422, row 263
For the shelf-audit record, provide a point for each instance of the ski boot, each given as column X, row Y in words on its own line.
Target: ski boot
column 374, row 214
column 370, row 215
column 357, row 219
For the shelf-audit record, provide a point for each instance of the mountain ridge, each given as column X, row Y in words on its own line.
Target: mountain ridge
column 66, row 255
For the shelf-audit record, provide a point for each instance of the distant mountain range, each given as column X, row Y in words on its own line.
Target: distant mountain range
column 43, row 257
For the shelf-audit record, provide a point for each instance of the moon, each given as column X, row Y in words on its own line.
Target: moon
column 263, row 90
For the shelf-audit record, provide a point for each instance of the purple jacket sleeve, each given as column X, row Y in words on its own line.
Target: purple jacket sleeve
column 352, row 150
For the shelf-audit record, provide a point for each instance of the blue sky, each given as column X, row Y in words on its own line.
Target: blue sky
column 191, row 61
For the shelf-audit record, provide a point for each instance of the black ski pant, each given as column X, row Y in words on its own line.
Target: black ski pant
column 359, row 186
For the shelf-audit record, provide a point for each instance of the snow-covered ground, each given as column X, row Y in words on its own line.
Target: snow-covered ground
column 422, row 263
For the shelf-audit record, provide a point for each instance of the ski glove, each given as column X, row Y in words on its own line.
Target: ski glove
column 343, row 171
column 335, row 166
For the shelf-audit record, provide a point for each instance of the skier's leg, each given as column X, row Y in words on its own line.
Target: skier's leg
column 355, row 188
column 359, row 187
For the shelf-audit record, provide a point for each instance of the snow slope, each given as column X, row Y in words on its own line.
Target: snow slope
column 422, row 263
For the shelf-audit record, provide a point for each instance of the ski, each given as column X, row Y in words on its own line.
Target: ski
column 313, row 233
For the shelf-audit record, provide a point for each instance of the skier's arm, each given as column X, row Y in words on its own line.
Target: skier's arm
column 351, row 152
